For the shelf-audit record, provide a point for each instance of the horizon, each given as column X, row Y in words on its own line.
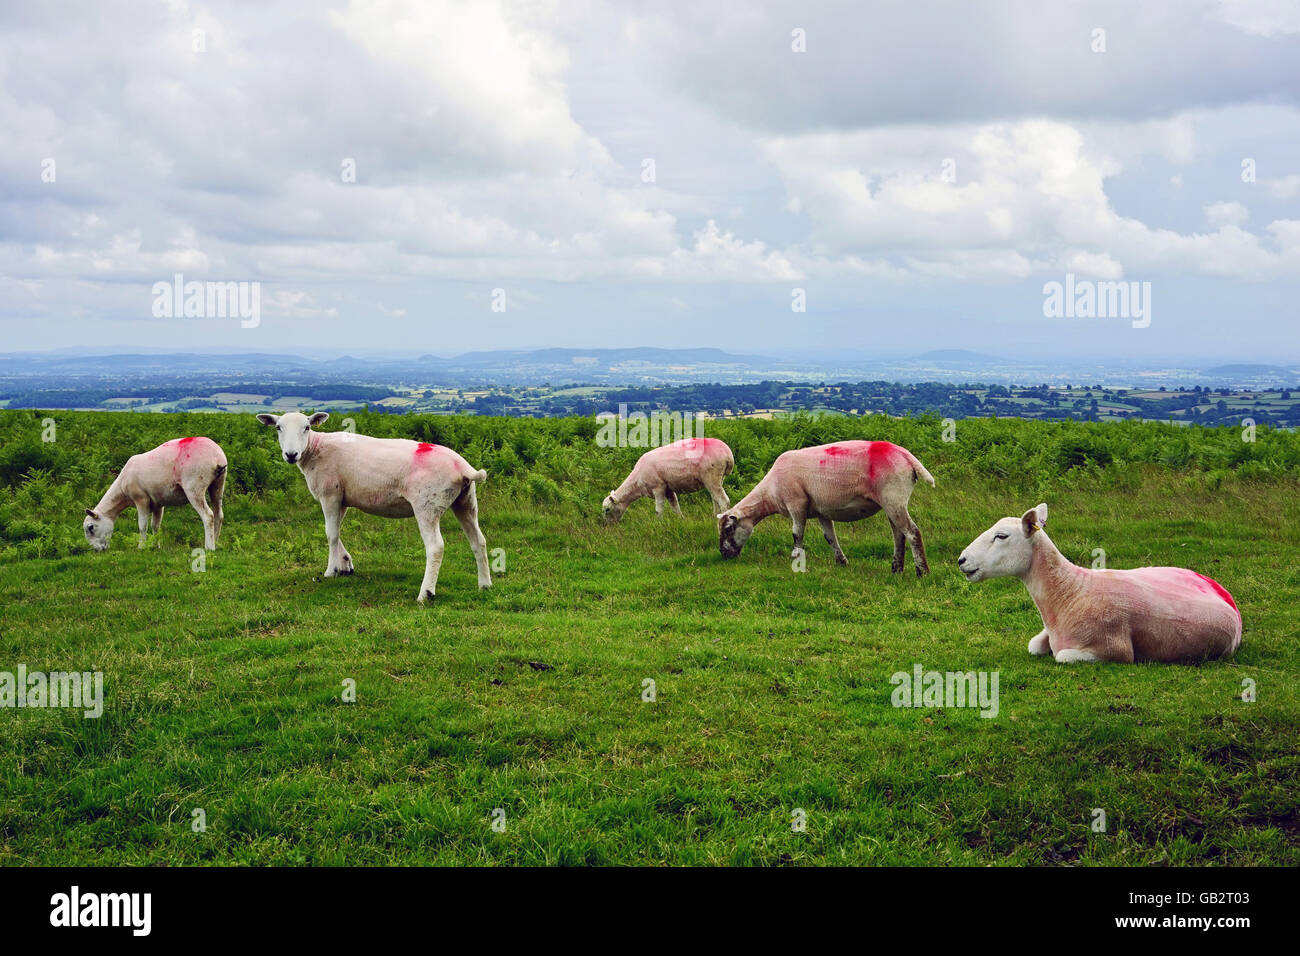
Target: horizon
column 809, row 357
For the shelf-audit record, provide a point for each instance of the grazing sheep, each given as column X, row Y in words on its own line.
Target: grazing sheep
column 389, row 477
column 845, row 481
column 181, row 470
column 670, row 470
column 1143, row 614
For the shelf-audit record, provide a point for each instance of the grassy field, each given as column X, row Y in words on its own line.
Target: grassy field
column 224, row 688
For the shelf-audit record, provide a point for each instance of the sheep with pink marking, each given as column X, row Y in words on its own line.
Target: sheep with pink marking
column 182, row 471
column 389, row 477
column 1142, row 614
column 671, row 470
column 843, row 481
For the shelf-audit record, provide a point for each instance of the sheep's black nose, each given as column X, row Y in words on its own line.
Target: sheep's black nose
column 291, row 457
column 961, row 561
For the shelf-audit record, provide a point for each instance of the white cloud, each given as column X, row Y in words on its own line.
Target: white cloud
column 1028, row 197
column 499, row 142
column 1283, row 187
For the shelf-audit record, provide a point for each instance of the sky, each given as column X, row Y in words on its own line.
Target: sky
column 774, row 178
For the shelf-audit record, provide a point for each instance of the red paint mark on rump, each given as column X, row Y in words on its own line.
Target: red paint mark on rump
column 423, row 448
column 1220, row 590
column 883, row 456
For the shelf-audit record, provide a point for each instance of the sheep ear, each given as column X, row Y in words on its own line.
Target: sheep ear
column 1034, row 519
column 318, row 419
column 266, row 419
column 91, row 514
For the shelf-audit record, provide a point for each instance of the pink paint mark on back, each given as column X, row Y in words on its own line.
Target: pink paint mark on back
column 423, row 451
column 697, row 444
column 1220, row 590
column 882, row 456
column 832, row 451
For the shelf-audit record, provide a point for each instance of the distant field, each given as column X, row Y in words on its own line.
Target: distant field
column 1278, row 408
column 772, row 687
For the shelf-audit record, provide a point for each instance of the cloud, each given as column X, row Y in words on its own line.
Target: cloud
column 1003, row 199
column 1226, row 214
column 372, row 151
column 898, row 61
column 1283, row 187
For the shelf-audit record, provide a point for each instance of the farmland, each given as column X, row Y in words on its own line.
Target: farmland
column 225, row 685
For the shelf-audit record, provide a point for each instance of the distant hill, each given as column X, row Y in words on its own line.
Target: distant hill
column 1235, row 371
column 959, row 355
column 131, row 373
column 607, row 357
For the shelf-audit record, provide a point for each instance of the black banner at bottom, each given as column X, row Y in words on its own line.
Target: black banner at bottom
column 231, row 905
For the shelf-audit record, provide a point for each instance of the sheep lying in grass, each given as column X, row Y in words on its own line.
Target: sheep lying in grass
column 844, row 481
column 182, row 470
column 670, row 470
column 390, row 477
column 1143, row 614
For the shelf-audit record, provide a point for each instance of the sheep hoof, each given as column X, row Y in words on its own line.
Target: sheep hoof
column 841, row 560
column 424, row 597
column 922, row 572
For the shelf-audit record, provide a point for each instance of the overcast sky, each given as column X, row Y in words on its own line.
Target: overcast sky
column 920, row 170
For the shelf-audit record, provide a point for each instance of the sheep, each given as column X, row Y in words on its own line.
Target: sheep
column 389, row 477
column 670, row 470
column 181, row 470
column 1143, row 614
column 844, row 481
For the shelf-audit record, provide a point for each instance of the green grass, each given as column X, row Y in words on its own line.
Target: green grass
column 223, row 688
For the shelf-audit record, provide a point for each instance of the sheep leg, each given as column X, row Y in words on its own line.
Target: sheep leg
column 828, row 531
column 142, row 511
column 466, row 510
column 433, row 549
column 900, row 519
column 156, row 523
column 671, row 497
column 721, row 502
column 1038, row 645
column 1115, row 646
column 215, row 491
column 1072, row 655
column 660, row 498
column 340, row 562
column 199, row 502
column 899, row 547
column 797, row 519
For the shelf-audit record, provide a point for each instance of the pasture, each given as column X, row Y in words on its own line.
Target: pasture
column 224, row 687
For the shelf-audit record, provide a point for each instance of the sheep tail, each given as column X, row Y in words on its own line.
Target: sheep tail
column 919, row 471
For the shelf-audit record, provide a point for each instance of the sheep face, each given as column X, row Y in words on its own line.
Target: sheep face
column 98, row 530
column 733, row 532
column 294, row 432
column 1004, row 550
column 611, row 509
